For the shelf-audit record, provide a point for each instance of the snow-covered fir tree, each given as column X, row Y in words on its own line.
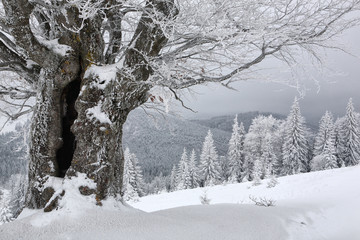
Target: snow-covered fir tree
column 173, row 179
column 224, row 169
column 138, row 175
column 13, row 153
column 324, row 147
column 157, row 185
column 133, row 181
column 326, row 131
column 183, row 174
column 129, row 189
column 351, row 136
column 338, row 142
column 12, row 203
column 329, row 154
column 193, row 170
column 209, row 166
column 295, row 148
column 236, row 152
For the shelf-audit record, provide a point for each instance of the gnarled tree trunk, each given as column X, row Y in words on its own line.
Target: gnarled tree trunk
column 79, row 115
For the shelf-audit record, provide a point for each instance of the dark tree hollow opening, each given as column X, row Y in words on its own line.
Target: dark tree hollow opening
column 65, row 153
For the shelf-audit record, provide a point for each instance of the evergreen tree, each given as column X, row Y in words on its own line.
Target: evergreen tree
column 351, row 136
column 193, row 170
column 133, row 183
column 224, row 169
column 129, row 190
column 326, row 132
column 236, row 152
column 173, row 179
column 295, row 148
column 157, row 185
column 329, row 154
column 324, row 147
column 209, row 166
column 138, row 175
column 338, row 142
column 183, row 175
column 13, row 153
column 12, row 203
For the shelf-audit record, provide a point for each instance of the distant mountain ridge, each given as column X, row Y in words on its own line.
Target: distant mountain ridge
column 225, row 122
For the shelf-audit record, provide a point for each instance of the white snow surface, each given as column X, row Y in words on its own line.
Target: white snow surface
column 317, row 205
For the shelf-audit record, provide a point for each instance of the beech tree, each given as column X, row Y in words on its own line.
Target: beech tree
column 89, row 63
column 258, row 145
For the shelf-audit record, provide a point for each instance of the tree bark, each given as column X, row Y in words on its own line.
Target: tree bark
column 78, row 120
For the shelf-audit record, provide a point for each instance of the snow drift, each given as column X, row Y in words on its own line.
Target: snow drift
column 317, row 205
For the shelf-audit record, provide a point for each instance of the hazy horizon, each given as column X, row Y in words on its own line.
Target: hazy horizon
column 337, row 77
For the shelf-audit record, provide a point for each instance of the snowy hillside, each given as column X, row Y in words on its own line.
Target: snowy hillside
column 317, row 205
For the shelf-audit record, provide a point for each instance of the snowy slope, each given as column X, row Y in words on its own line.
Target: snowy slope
column 319, row 205
column 326, row 203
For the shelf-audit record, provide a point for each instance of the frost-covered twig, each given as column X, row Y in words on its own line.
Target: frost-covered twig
column 262, row 201
column 204, row 198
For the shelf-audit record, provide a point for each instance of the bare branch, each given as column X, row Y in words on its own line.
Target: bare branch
column 180, row 100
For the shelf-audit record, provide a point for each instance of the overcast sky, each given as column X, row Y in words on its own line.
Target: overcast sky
column 339, row 79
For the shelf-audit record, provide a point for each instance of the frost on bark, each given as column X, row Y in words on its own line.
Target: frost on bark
column 78, row 118
column 89, row 63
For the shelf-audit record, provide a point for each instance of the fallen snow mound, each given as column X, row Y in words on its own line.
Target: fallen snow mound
column 318, row 205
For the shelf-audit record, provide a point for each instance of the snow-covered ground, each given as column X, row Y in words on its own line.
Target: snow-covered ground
column 318, row 205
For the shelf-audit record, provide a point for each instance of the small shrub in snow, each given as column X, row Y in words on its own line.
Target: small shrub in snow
column 204, row 199
column 273, row 182
column 262, row 201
